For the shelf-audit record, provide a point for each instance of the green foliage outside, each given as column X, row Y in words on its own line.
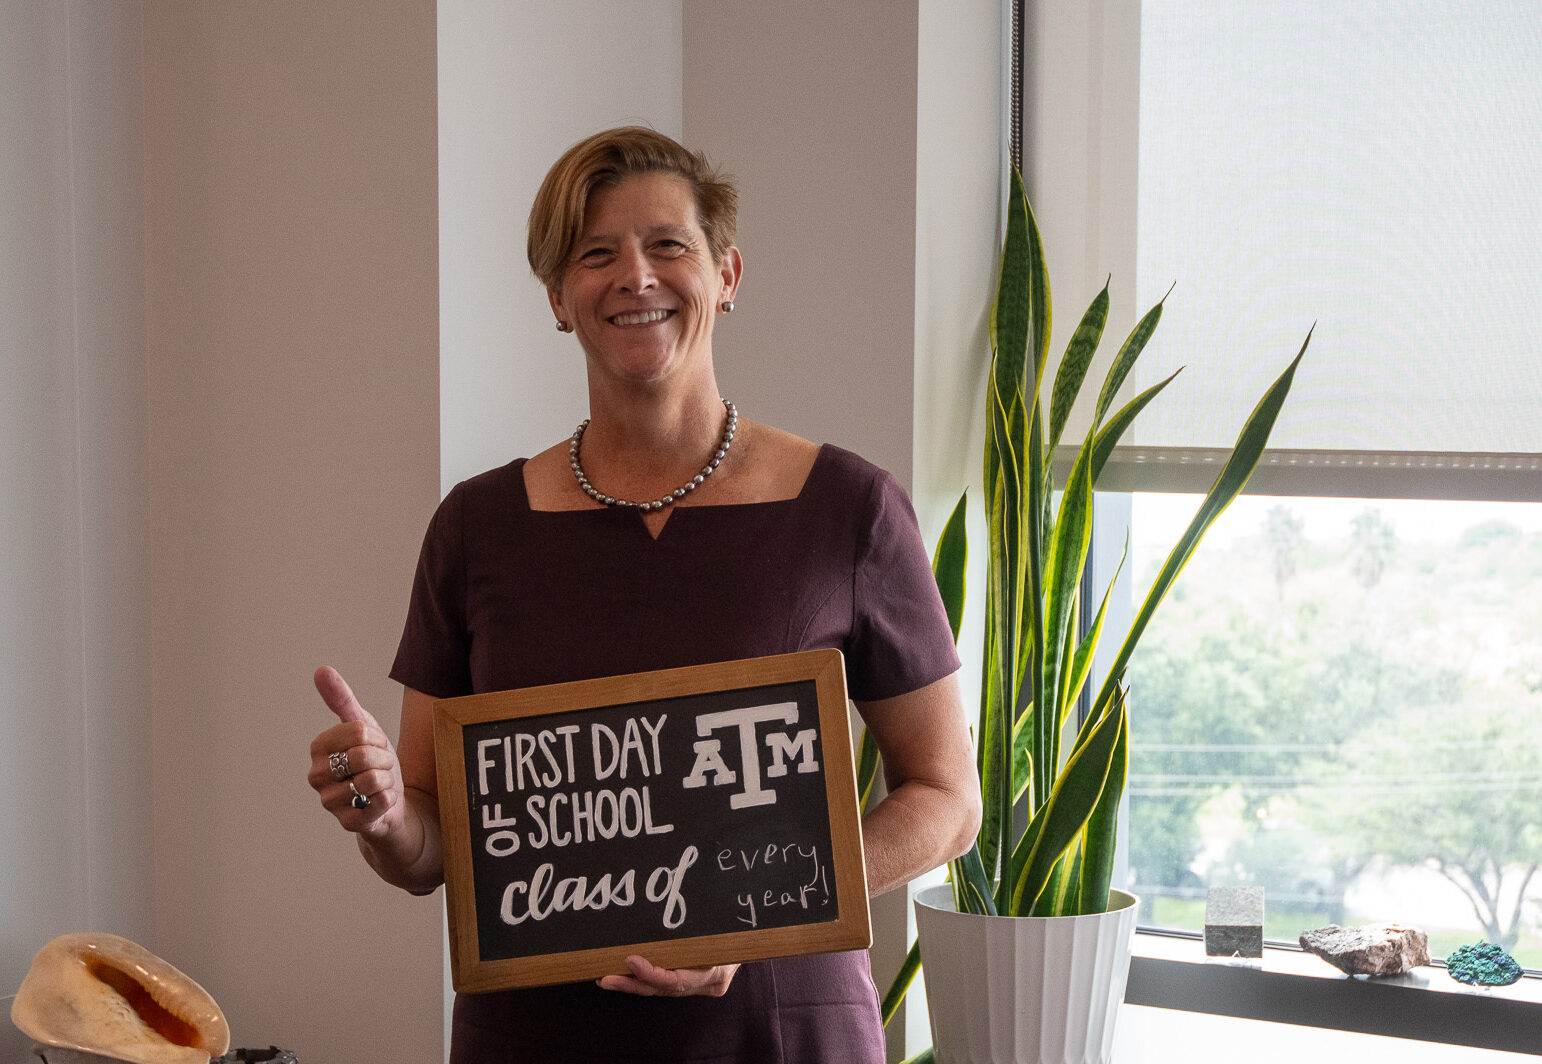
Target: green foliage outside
column 1320, row 716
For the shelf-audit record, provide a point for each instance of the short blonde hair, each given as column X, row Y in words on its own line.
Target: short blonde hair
column 557, row 216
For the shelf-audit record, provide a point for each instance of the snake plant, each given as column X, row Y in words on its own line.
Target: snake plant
column 1064, row 772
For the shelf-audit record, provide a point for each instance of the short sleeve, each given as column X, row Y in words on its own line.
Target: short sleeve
column 434, row 654
column 900, row 640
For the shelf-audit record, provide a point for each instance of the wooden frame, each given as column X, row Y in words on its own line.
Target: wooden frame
column 694, row 816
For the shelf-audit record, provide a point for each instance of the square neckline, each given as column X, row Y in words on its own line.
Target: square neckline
column 820, row 460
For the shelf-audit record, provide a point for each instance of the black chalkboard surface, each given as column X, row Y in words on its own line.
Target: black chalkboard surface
column 695, row 816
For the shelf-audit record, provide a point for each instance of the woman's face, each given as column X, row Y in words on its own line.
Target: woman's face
column 641, row 289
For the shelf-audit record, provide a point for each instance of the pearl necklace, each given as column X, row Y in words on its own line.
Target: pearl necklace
column 663, row 500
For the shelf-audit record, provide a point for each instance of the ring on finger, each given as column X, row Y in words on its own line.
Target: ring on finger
column 338, row 761
column 359, row 800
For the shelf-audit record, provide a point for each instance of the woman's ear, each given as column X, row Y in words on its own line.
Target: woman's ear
column 731, row 269
column 555, row 299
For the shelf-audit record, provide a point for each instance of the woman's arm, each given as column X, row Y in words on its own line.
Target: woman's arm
column 413, row 857
column 398, row 831
column 932, row 810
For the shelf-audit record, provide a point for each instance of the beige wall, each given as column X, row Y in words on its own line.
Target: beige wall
column 293, row 377
column 267, row 303
column 812, row 106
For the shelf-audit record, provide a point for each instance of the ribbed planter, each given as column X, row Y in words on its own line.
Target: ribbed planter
column 1023, row 989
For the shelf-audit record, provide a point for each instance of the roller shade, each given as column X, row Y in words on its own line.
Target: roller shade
column 1375, row 168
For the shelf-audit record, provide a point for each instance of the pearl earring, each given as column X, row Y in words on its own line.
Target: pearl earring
column 727, row 306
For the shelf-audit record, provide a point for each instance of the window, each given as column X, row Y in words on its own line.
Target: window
column 1341, row 699
column 1342, row 703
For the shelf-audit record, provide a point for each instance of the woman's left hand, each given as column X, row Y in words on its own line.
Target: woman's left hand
column 649, row 980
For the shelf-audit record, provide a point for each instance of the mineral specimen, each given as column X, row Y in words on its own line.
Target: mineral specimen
column 1234, row 922
column 1483, row 965
column 1375, row 949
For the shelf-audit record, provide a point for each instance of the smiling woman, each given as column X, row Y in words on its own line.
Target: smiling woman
column 755, row 542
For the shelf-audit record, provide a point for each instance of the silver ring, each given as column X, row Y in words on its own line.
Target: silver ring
column 339, row 763
column 359, row 801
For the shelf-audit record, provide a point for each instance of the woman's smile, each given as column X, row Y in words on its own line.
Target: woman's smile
column 640, row 317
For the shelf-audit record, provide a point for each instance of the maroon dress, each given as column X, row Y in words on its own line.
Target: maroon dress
column 506, row 596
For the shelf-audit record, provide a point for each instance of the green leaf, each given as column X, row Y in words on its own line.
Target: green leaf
column 1055, row 827
column 1073, row 366
column 1022, row 766
column 1063, row 575
column 1037, row 288
column 867, row 767
column 1109, row 434
column 1125, row 360
column 971, row 884
column 949, row 562
column 993, row 703
column 1229, row 483
column 1030, row 661
column 1062, row 890
column 1012, row 316
column 901, row 985
column 1081, row 666
column 1006, row 552
column 1101, row 836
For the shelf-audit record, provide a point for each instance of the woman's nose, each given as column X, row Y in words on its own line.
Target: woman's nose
column 636, row 273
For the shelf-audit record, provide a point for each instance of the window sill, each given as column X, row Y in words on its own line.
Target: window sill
column 1290, row 986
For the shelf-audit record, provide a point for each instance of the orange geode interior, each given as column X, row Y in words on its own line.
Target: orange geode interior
column 103, row 994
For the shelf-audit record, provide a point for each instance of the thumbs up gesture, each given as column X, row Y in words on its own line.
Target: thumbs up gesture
column 354, row 767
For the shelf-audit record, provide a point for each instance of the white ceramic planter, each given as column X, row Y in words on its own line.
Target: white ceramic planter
column 1024, row 989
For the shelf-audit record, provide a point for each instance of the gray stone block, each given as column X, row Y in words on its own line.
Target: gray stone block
column 1234, row 922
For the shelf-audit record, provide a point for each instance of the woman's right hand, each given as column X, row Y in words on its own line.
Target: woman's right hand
column 374, row 770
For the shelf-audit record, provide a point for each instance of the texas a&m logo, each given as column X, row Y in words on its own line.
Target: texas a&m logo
column 783, row 747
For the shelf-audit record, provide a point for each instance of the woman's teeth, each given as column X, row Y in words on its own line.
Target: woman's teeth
column 641, row 317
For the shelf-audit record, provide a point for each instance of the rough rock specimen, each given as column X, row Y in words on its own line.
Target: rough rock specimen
column 1375, row 949
column 1485, row 964
column 1234, row 922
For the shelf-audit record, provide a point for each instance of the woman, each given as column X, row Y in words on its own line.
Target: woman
column 667, row 532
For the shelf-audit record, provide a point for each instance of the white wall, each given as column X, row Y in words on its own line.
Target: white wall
column 519, row 83
column 292, row 329
column 961, row 152
column 76, row 839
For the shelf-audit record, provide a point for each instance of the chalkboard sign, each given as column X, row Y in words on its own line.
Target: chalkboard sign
column 694, row 816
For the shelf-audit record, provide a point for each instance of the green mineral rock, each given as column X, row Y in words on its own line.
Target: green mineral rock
column 1483, row 965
